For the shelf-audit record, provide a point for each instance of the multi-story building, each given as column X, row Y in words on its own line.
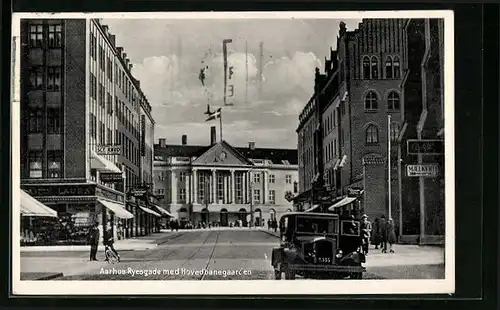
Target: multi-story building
column 82, row 144
column 423, row 215
column 221, row 184
column 351, row 104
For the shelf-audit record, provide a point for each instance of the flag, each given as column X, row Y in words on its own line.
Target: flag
column 214, row 115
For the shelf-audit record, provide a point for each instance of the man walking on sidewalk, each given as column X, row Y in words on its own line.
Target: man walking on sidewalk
column 94, row 236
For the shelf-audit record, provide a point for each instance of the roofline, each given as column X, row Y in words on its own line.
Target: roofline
column 156, row 145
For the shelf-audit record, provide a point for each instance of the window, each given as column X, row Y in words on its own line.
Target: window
column 396, row 67
column 35, row 164
column 238, row 188
column 109, row 103
column 371, row 101
column 388, row 68
column 109, row 139
column 93, row 87
column 54, row 79
column 256, row 177
column 36, row 35
column 366, row 68
column 101, row 133
column 374, row 67
column 182, row 176
column 272, row 197
column 182, row 195
column 36, row 78
column 93, row 46
column 202, row 185
column 256, row 195
column 101, row 95
column 93, row 126
column 220, row 188
column 54, row 161
column 160, row 191
column 35, row 122
column 288, row 179
column 393, row 101
column 271, row 178
column 54, row 121
column 394, row 131
column 102, row 58
column 55, row 34
column 371, row 135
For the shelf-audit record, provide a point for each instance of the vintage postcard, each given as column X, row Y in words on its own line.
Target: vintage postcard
column 155, row 151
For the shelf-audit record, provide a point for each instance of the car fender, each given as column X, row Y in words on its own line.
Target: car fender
column 277, row 256
column 353, row 258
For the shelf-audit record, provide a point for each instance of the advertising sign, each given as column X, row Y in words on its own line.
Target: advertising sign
column 425, row 147
column 423, row 170
column 111, row 177
column 109, row 150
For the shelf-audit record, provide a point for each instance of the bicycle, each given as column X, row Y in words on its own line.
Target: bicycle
column 111, row 256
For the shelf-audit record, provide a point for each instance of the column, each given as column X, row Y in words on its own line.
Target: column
column 233, row 197
column 195, row 186
column 214, row 186
column 265, row 187
column 226, row 198
column 173, row 182
column 244, row 187
column 187, row 187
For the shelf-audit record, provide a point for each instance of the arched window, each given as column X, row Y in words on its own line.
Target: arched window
column 394, row 131
column 396, row 67
column 374, row 67
column 388, row 68
column 393, row 101
column 366, row 68
column 371, row 135
column 371, row 101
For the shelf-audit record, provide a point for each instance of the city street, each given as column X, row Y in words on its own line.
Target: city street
column 240, row 254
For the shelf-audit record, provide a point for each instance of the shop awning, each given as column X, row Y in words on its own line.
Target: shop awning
column 341, row 203
column 313, row 208
column 102, row 164
column 163, row 211
column 116, row 208
column 32, row 207
column 149, row 211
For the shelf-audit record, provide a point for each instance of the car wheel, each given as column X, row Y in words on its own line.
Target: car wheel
column 277, row 274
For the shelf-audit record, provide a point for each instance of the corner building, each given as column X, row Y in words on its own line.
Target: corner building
column 82, row 144
column 222, row 185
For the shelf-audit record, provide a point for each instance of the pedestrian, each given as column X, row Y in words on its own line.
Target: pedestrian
column 93, row 238
column 391, row 234
column 383, row 233
column 109, row 241
column 366, row 230
column 376, row 236
column 275, row 225
column 268, row 224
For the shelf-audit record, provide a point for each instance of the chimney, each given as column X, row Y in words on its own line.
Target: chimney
column 163, row 143
column 119, row 49
column 342, row 29
column 184, row 139
column 105, row 29
column 251, row 145
column 124, row 57
column 127, row 61
column 130, row 67
column 213, row 135
column 112, row 38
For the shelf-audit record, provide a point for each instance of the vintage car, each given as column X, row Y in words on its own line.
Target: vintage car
column 318, row 246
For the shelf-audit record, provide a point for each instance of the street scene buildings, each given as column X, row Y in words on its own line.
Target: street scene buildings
column 226, row 145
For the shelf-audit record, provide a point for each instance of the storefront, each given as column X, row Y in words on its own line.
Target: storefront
column 35, row 216
column 78, row 207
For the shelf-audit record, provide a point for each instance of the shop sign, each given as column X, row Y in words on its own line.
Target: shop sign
column 61, row 190
column 425, row 147
column 109, row 150
column 106, row 194
column 423, row 170
column 111, row 177
column 138, row 192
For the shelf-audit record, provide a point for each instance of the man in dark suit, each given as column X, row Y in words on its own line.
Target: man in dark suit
column 94, row 236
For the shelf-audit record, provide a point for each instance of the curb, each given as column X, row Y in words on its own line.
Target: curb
column 270, row 233
column 47, row 277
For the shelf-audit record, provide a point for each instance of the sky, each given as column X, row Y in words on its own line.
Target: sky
column 167, row 56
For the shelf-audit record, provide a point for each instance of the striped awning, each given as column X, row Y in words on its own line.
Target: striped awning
column 116, row 208
column 32, row 207
column 163, row 211
column 147, row 210
column 313, row 208
column 343, row 202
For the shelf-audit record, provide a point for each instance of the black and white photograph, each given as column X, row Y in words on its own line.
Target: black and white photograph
column 240, row 148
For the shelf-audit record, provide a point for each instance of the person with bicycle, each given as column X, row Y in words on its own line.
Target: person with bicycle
column 109, row 242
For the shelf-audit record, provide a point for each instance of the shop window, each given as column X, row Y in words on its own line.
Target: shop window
column 54, row 121
column 371, row 101
column 393, row 102
column 55, row 36
column 35, row 164
column 371, row 135
column 54, row 161
column 36, row 35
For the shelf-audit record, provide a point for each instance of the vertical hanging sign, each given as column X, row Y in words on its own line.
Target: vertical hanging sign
column 143, row 135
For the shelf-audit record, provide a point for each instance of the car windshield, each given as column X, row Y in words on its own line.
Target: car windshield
column 350, row 228
column 316, row 225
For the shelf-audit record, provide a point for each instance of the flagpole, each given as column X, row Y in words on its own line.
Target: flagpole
column 246, row 72
column 389, row 162
column 220, row 119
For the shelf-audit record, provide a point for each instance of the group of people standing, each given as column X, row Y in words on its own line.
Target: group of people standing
column 272, row 224
column 380, row 234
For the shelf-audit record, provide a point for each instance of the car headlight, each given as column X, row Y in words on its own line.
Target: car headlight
column 339, row 254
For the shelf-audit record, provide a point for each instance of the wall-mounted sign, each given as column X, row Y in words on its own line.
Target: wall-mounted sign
column 111, row 177
column 423, row 170
column 425, row 147
column 109, row 150
column 60, row 190
column 138, row 192
column 143, row 135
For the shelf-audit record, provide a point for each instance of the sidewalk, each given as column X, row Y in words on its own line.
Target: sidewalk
column 404, row 255
column 132, row 244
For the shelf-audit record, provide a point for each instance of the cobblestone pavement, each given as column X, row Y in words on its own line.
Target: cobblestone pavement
column 224, row 254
